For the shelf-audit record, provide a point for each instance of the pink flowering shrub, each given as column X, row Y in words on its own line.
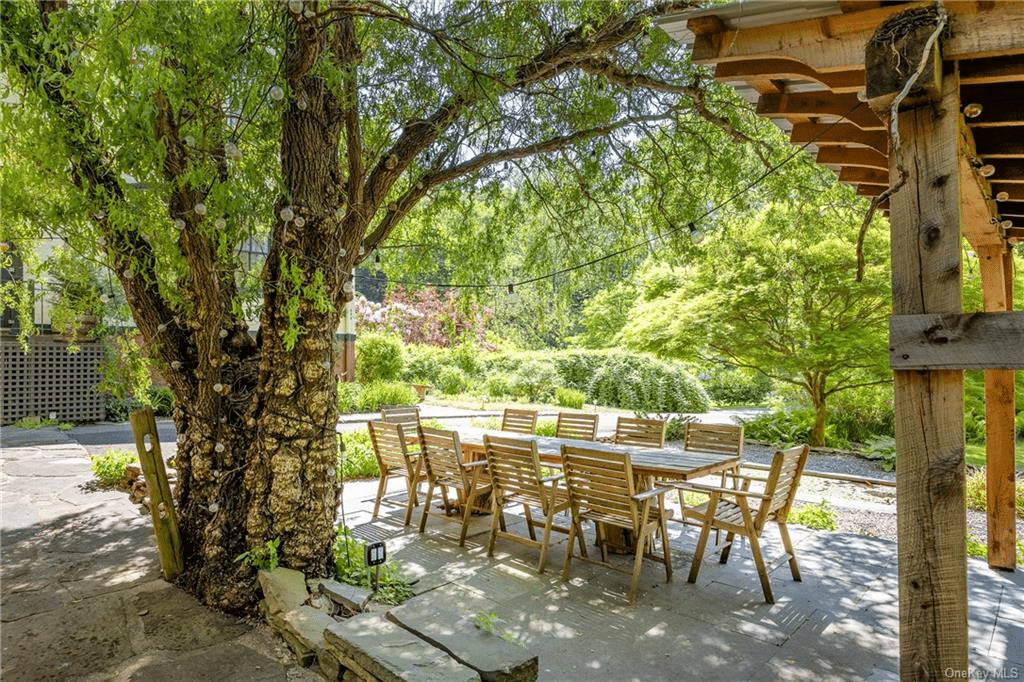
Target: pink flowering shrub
column 424, row 316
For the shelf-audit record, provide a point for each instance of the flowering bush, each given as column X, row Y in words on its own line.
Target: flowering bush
column 424, row 316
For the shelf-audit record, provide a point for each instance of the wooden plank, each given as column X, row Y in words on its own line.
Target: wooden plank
column 788, row 69
column 978, row 213
column 823, row 103
column 842, row 133
column 836, row 43
column 161, row 499
column 1000, row 143
column 1000, row 429
column 853, row 156
column 864, row 176
column 931, row 512
column 1000, row 69
column 957, row 341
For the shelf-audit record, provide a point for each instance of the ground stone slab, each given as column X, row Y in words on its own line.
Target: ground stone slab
column 349, row 596
column 372, row 645
column 303, row 629
column 284, row 590
column 447, row 618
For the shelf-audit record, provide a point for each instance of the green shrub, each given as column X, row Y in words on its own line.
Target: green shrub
column 350, row 566
column 534, row 381
column 373, row 395
column 974, row 426
column 348, row 396
column 36, row 423
column 466, row 357
column 546, row 427
column 881, row 448
column 855, row 416
column 118, row 409
column 781, row 427
column 451, row 380
column 422, row 363
column 567, row 397
column 737, row 387
column 645, row 384
column 497, row 385
column 356, row 458
column 817, row 516
column 378, row 358
column 576, row 368
column 975, row 547
column 111, row 468
column 161, row 399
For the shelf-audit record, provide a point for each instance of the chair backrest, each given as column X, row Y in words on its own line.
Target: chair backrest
column 442, row 455
column 514, row 466
column 520, row 421
column 389, row 445
column 636, row 431
column 601, row 484
column 783, row 478
column 406, row 415
column 578, row 425
column 726, row 439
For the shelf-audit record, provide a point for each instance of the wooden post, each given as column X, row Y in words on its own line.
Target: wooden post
column 161, row 500
column 932, row 519
column 1000, row 430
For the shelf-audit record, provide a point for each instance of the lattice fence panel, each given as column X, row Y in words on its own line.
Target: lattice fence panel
column 48, row 380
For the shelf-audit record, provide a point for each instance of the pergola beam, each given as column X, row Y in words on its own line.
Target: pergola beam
column 822, row 103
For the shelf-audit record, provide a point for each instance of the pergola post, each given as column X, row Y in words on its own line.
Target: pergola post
column 932, row 520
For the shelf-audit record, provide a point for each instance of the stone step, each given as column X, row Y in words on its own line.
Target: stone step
column 377, row 649
column 464, row 624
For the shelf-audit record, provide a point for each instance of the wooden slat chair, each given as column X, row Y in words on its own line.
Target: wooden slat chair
column 516, row 477
column 578, row 425
column 447, row 468
column 636, row 431
column 395, row 461
column 602, row 489
column 729, row 510
column 723, row 439
column 406, row 415
column 519, row 421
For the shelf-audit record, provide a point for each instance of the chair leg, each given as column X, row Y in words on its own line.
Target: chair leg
column 702, row 541
column 642, row 538
column 568, row 548
column 579, row 538
column 426, row 505
column 549, row 522
column 408, row 507
column 529, row 522
column 755, row 550
column 382, row 488
column 727, row 547
column 467, row 512
column 496, row 514
column 664, row 546
column 788, row 545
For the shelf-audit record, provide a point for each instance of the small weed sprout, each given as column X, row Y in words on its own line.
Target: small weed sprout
column 263, row 558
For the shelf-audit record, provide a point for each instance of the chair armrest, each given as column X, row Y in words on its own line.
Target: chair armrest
column 653, row 492
column 474, row 464
column 701, row 488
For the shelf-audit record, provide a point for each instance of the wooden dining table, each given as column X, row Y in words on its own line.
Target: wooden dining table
column 649, row 464
column 671, row 463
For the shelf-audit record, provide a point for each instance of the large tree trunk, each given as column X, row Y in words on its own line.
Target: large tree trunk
column 816, row 389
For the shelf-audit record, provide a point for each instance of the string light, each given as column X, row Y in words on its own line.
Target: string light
column 972, row 110
column 1003, row 196
column 287, row 213
column 987, row 171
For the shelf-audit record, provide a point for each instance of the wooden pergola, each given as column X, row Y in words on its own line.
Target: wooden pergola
column 919, row 105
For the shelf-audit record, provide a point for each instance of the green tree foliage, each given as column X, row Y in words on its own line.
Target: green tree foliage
column 776, row 293
column 231, row 160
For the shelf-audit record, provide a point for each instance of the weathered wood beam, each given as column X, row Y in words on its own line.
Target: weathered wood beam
column 787, row 69
column 841, row 133
column 991, row 70
column 929, row 408
column 852, row 156
column 836, row 43
column 864, row 176
column 980, row 225
column 823, row 103
column 957, row 341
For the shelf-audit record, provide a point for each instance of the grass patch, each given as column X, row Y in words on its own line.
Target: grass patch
column 977, row 497
column 975, row 455
column 37, row 423
column 816, row 516
column 357, row 458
